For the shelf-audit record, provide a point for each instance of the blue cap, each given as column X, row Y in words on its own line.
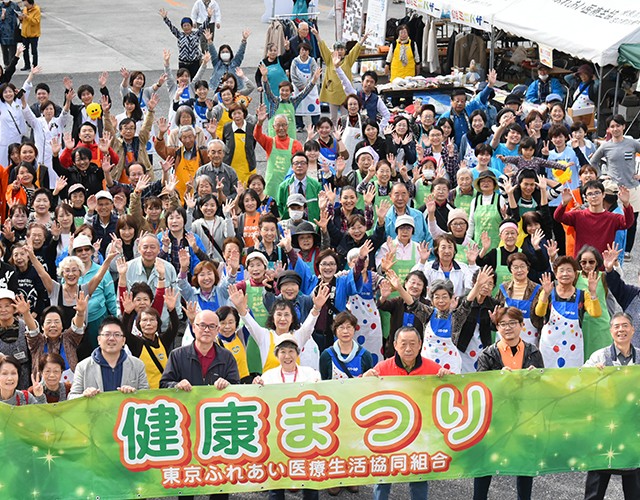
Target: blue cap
column 553, row 97
column 186, row 20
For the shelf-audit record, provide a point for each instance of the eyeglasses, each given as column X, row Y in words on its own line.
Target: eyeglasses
column 328, row 264
column 108, row 335
column 458, row 224
column 280, row 125
column 129, row 129
column 299, row 163
column 508, row 324
column 583, row 262
column 518, row 268
column 593, row 194
column 204, row 327
column 84, row 249
column 52, row 322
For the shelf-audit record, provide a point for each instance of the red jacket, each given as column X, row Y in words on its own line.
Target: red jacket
column 393, row 367
column 96, row 155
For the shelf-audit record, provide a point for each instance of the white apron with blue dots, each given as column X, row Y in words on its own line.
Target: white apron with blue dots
column 369, row 330
column 561, row 342
column 437, row 345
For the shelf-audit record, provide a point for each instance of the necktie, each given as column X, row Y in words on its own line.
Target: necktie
column 301, row 188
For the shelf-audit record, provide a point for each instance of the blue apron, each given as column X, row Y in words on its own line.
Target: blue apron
column 529, row 332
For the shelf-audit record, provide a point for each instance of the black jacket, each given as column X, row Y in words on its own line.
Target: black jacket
column 184, row 364
column 490, row 358
column 91, row 178
column 229, row 138
column 78, row 120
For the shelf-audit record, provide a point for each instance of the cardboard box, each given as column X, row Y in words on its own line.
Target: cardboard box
column 586, row 115
column 629, row 112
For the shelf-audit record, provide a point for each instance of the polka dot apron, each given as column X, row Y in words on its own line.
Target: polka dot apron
column 561, row 343
column 437, row 345
column 369, row 330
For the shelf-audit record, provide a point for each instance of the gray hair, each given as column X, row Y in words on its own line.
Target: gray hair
column 184, row 129
column 446, row 285
column 281, row 116
column 617, row 315
column 464, row 171
column 353, row 254
column 218, row 141
column 200, row 178
column 67, row 261
column 407, row 329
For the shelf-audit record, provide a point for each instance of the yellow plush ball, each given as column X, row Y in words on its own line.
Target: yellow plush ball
column 94, row 111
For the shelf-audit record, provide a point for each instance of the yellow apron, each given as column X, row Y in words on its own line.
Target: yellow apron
column 397, row 69
column 153, row 374
column 184, row 169
column 224, row 119
column 239, row 353
column 272, row 361
column 239, row 161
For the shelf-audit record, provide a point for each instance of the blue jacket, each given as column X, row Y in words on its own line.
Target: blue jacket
column 421, row 232
column 345, row 285
column 103, row 299
column 220, row 67
column 532, row 91
column 460, row 121
column 169, row 257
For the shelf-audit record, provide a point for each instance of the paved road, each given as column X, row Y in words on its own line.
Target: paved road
column 81, row 39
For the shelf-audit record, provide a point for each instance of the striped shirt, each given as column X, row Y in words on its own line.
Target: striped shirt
column 188, row 45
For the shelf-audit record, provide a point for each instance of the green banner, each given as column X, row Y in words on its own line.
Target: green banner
column 396, row 429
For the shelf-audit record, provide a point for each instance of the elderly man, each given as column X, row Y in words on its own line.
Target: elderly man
column 109, row 368
column 188, row 158
column 143, row 269
column 105, row 221
column 300, row 183
column 400, row 199
column 279, row 150
column 218, row 171
column 130, row 146
column 620, row 353
column 303, row 36
column 407, row 361
column 460, row 109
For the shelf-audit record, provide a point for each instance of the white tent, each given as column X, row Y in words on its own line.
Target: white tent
column 477, row 14
column 586, row 29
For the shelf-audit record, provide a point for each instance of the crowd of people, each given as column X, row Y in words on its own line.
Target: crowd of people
column 390, row 242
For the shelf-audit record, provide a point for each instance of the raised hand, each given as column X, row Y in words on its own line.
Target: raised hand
column 545, row 147
column 245, row 33
column 189, row 200
column 104, row 76
column 394, row 279
column 163, row 13
column 262, row 113
column 122, row 266
column 160, row 267
column 166, row 55
column 116, row 243
column 552, row 249
column 126, row 299
column 185, row 260
column 92, row 203
column 324, row 220
column 7, row 232
column 385, row 290
column 105, row 142
column 430, row 202
column 370, row 195
column 623, row 195
column 594, row 277
column 424, row 251
column 170, row 298
column 567, row 196
column 484, row 276
column 311, row 132
column 610, row 256
column 472, row 252
column 22, row 305
column 192, row 311
column 366, row 249
column 143, row 183
column 485, row 239
column 208, row 35
column 163, row 126
column 536, row 238
column 320, row 298
column 388, row 261
column 542, row 182
column 547, row 284
column 337, row 132
column 66, row 81
column 82, row 302
column 61, row 183
column 341, row 164
column 36, row 382
column 382, row 210
column 331, row 194
column 285, row 241
column 55, row 146
column 191, row 239
column 68, row 141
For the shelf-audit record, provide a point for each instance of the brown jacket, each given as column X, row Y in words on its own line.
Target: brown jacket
column 69, row 339
column 118, row 146
column 135, row 209
column 170, row 146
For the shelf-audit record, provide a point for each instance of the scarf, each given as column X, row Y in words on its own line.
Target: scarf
column 479, row 138
column 352, row 354
column 403, row 52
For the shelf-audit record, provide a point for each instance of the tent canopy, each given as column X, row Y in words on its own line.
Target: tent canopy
column 587, row 29
column 630, row 54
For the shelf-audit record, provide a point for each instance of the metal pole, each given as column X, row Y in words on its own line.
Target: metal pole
column 493, row 44
column 599, row 97
column 615, row 94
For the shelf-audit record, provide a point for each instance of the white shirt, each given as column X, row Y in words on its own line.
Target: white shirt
column 199, row 12
column 304, row 374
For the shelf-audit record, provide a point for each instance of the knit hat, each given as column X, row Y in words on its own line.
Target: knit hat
column 289, row 277
column 457, row 213
column 256, row 255
column 586, row 69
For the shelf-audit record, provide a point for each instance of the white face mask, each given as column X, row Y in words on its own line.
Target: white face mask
column 225, row 56
column 296, row 214
column 543, row 77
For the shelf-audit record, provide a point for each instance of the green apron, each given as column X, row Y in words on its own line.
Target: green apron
column 487, row 218
column 502, row 272
column 360, row 202
column 463, row 201
column 277, row 167
column 402, row 269
column 461, row 256
column 595, row 331
column 286, row 109
column 260, row 313
column 422, row 191
column 376, row 203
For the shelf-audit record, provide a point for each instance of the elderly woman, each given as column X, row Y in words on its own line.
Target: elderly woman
column 65, row 295
column 185, row 116
column 345, row 358
column 287, row 351
column 51, row 368
column 458, row 223
column 445, row 267
column 522, row 293
column 563, row 307
column 151, row 344
column 55, row 339
column 211, row 228
column 13, row 332
column 9, row 381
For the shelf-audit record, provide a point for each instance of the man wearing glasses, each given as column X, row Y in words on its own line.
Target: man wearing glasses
column 109, row 368
column 595, row 226
column 300, row 183
column 509, row 353
column 203, row 362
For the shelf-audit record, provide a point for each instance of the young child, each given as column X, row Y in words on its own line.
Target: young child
column 527, row 149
